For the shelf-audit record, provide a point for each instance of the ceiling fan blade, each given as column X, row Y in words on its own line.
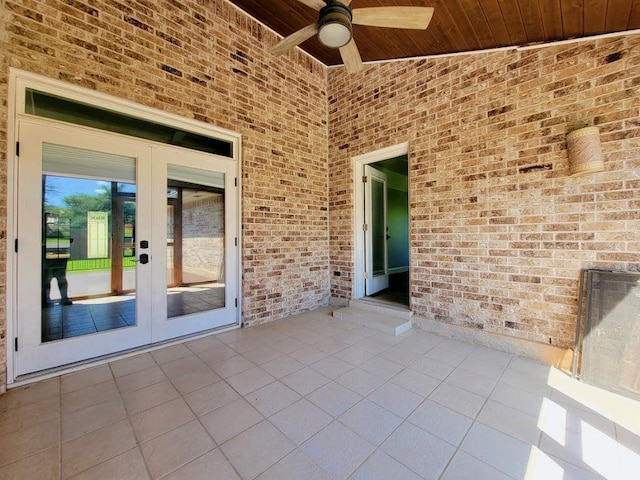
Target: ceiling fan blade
column 294, row 39
column 351, row 57
column 393, row 17
column 315, row 4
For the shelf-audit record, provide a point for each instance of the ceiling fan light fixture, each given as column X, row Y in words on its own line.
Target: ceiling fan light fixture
column 334, row 27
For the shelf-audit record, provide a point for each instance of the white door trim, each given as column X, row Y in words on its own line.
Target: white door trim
column 19, row 81
column 358, row 163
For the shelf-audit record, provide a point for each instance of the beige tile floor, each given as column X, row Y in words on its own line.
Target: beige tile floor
column 309, row 397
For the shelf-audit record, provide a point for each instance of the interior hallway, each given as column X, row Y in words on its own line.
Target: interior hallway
column 311, row 397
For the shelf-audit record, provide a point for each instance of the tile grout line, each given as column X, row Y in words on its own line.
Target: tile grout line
column 404, row 419
column 364, row 397
column 334, row 418
column 135, row 436
column 92, row 431
column 456, row 447
column 302, row 397
column 475, row 419
column 217, row 446
column 265, row 418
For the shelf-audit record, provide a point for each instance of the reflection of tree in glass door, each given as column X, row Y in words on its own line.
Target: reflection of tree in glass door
column 99, row 220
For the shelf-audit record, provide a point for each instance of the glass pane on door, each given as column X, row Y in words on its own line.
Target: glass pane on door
column 378, row 241
column 195, row 241
column 88, row 224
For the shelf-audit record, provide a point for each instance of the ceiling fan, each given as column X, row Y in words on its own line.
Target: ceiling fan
column 334, row 26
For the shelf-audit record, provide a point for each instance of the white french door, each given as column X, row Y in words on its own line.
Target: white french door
column 120, row 243
column 194, row 266
column 376, row 236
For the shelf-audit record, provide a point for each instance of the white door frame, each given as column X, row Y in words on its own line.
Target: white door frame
column 358, row 163
column 19, row 81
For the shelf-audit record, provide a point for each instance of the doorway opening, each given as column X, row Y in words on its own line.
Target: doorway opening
column 382, row 224
column 390, row 232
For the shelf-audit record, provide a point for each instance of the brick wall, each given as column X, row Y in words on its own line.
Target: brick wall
column 202, row 240
column 201, row 59
column 498, row 230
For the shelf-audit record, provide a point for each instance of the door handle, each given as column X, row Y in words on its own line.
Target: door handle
column 144, row 258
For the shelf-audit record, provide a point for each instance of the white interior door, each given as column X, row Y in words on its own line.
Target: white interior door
column 376, row 235
column 121, row 243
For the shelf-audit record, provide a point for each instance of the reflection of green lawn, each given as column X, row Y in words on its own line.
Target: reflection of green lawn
column 97, row 264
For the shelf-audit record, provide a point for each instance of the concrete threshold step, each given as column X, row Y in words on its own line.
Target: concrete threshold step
column 381, row 319
column 399, row 311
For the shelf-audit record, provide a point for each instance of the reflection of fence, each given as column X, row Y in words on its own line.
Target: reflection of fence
column 94, row 264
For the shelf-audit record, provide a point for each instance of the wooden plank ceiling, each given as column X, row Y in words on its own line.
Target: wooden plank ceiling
column 457, row 25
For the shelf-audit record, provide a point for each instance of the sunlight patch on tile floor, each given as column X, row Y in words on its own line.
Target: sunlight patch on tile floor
column 316, row 398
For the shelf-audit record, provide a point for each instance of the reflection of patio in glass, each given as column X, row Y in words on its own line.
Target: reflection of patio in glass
column 194, row 299
column 87, row 316
column 95, row 315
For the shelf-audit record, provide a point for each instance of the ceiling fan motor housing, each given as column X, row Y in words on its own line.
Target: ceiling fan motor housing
column 335, row 24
